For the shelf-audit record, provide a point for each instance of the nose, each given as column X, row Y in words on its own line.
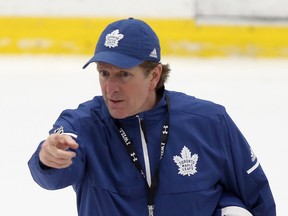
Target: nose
column 112, row 85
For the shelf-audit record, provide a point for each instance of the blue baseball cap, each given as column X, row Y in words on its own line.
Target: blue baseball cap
column 127, row 43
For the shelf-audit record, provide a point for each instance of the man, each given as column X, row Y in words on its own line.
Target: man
column 140, row 149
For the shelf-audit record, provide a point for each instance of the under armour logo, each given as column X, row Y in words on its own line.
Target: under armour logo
column 165, row 129
column 133, row 155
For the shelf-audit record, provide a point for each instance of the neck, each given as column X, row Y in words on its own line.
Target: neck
column 156, row 97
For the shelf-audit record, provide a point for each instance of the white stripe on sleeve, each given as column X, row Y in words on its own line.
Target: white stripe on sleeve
column 234, row 211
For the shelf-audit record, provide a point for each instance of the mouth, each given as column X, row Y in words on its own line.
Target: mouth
column 113, row 101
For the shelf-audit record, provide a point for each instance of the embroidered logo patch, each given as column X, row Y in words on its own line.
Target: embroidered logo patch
column 187, row 162
column 153, row 54
column 253, row 156
column 113, row 38
column 59, row 130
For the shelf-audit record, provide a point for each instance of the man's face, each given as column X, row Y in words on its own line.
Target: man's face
column 127, row 91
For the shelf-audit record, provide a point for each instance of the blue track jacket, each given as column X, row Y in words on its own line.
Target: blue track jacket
column 206, row 157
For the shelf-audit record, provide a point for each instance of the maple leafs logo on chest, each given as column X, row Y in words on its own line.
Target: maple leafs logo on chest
column 187, row 162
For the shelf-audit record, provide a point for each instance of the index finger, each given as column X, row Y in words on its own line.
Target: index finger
column 67, row 140
column 62, row 141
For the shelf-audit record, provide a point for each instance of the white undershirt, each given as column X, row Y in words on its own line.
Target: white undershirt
column 145, row 154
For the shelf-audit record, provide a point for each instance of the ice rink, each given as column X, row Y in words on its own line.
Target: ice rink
column 35, row 89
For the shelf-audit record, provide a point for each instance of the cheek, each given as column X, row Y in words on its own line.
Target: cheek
column 140, row 93
column 102, row 86
column 100, row 83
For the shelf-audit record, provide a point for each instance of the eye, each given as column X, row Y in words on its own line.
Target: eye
column 104, row 73
column 124, row 74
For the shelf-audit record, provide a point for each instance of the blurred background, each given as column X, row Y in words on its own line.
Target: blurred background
column 231, row 52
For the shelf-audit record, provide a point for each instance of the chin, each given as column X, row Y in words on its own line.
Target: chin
column 118, row 115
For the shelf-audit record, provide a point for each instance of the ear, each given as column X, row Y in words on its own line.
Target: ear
column 155, row 76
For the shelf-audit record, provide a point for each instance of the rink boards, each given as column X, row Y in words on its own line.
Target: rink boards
column 180, row 37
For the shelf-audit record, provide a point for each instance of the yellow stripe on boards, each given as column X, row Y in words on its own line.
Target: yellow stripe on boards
column 50, row 35
column 179, row 37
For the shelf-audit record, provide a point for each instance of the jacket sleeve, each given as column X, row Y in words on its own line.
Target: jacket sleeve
column 243, row 174
column 231, row 205
column 50, row 178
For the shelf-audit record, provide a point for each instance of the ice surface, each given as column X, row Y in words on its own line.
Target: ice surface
column 35, row 89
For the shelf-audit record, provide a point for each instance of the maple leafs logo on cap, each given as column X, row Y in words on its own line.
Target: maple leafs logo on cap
column 113, row 38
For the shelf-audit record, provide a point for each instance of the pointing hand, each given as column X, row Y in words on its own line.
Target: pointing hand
column 55, row 151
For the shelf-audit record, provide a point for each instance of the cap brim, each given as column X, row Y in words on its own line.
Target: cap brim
column 117, row 59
